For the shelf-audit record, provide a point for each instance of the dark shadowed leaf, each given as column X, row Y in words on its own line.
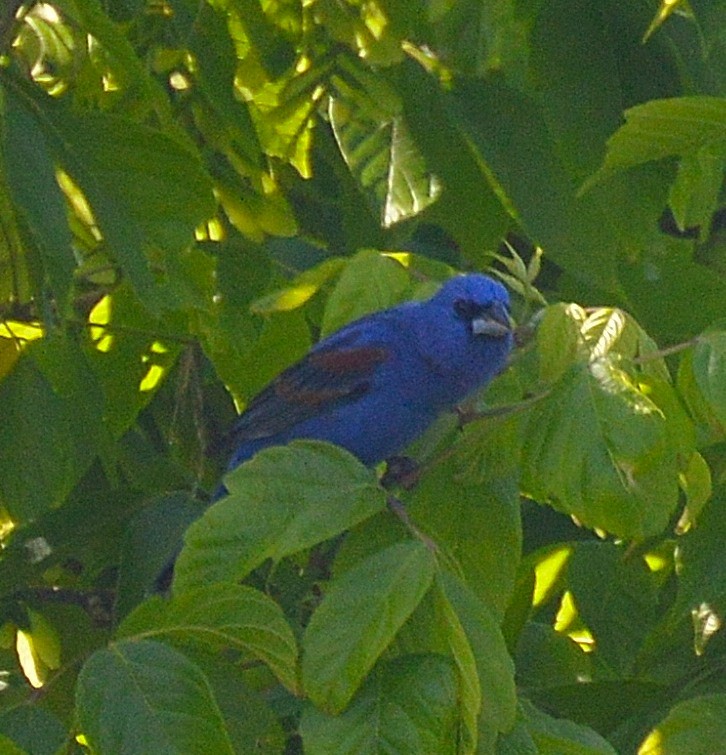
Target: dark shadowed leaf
column 546, row 658
column 407, row 706
column 609, row 589
column 696, row 726
column 702, row 571
column 468, row 191
column 33, row 728
column 134, row 693
column 242, row 694
column 152, row 540
column 555, row 736
column 30, row 175
column 52, row 428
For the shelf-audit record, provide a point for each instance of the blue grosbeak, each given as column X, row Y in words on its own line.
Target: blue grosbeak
column 379, row 382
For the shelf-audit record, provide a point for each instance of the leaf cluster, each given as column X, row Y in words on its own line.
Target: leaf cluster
column 194, row 192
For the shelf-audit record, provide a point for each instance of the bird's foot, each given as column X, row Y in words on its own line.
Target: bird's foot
column 401, row 471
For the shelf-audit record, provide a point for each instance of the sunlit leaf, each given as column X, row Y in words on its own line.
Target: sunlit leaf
column 369, row 282
column 609, row 458
column 222, row 616
column 381, row 155
column 664, row 128
column 284, row 500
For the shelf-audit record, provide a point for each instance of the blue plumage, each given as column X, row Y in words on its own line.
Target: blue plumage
column 379, row 382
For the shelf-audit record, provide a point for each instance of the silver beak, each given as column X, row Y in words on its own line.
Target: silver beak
column 495, row 324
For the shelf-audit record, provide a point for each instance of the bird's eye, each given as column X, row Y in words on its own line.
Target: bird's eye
column 466, row 309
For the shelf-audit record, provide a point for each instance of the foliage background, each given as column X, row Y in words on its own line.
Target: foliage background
column 192, row 192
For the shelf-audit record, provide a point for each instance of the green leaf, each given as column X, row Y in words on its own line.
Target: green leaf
column 30, row 176
column 553, row 736
column 147, row 192
column 518, row 741
column 125, row 343
column 664, row 128
column 558, row 340
column 407, row 706
column 673, row 295
column 546, row 658
column 50, row 401
column 128, row 68
column 245, row 699
column 134, row 693
column 709, row 367
column 696, row 483
column 604, row 445
column 709, row 429
column 381, row 154
column 369, row 282
column 275, row 53
column 609, row 589
column 509, row 137
column 470, row 687
column 300, row 289
column 488, row 695
column 565, row 72
column 696, row 726
column 702, row 570
column 694, row 194
column 479, row 526
column 284, row 500
column 358, row 618
column 33, row 728
column 221, row 616
column 9, row 747
column 151, row 542
column 664, row 11
column 468, row 190
column 214, row 71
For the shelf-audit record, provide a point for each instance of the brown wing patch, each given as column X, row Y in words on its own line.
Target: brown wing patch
column 308, row 397
column 360, row 361
column 343, row 375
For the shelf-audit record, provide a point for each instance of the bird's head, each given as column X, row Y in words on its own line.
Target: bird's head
column 480, row 302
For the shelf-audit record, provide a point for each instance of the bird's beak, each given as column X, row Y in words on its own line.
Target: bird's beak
column 495, row 323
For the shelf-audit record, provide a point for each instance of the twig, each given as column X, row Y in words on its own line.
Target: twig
column 467, row 416
column 667, row 351
column 97, row 604
column 396, row 506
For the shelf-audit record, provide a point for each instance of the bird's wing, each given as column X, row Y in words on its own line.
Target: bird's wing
column 321, row 380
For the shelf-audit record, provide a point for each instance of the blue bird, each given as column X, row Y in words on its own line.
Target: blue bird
column 378, row 383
